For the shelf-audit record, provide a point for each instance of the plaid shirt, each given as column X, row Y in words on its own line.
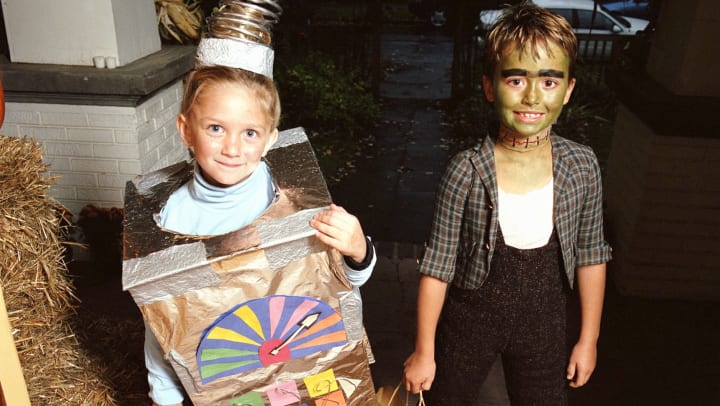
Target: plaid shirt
column 465, row 224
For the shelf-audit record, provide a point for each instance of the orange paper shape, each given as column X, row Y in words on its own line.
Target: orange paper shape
column 332, row 399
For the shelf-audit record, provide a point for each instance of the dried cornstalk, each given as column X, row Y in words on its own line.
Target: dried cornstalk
column 179, row 20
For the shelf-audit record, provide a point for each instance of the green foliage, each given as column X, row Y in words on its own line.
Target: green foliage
column 315, row 93
column 471, row 118
column 332, row 105
column 592, row 91
column 592, row 105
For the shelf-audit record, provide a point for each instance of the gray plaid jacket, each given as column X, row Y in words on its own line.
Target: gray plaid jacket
column 465, row 224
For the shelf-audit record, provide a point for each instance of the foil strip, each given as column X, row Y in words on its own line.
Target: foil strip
column 169, row 273
column 351, row 309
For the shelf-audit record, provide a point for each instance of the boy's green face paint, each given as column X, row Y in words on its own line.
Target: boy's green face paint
column 529, row 93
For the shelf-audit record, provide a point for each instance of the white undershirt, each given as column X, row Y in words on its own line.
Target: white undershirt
column 526, row 220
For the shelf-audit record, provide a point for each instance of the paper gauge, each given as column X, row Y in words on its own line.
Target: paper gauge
column 266, row 331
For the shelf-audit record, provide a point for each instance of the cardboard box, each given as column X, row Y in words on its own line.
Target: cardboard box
column 261, row 316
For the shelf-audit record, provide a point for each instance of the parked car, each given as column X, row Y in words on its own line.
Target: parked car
column 629, row 8
column 580, row 15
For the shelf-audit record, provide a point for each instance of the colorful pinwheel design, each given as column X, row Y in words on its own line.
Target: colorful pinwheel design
column 266, row 331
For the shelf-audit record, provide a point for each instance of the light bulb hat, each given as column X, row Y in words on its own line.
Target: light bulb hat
column 239, row 36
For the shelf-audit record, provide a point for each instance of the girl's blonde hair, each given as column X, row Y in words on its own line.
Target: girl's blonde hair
column 262, row 86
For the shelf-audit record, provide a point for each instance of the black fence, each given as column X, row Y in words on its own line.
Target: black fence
column 597, row 52
column 356, row 47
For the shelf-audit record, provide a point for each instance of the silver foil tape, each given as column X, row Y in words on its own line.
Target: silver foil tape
column 239, row 34
column 351, row 309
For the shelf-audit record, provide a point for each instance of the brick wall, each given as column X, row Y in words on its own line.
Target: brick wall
column 663, row 211
column 94, row 150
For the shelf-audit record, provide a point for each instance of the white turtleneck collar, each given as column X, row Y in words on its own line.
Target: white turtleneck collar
column 200, row 208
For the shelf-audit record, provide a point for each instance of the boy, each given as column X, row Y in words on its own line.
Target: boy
column 518, row 221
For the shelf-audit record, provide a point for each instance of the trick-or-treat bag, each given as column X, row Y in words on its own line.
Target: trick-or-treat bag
column 260, row 316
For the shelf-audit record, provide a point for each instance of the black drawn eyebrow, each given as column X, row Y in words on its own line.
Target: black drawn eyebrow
column 552, row 73
column 513, row 72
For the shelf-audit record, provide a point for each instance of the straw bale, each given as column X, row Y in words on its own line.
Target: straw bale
column 38, row 291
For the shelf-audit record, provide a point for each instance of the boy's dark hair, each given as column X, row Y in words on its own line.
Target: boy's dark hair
column 528, row 27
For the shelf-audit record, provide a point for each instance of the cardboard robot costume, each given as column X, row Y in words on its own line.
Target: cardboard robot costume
column 263, row 315
column 221, row 305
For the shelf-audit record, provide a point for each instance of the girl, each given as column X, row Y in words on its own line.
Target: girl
column 229, row 119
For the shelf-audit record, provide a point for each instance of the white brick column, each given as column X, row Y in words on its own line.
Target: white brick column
column 661, row 188
column 95, row 150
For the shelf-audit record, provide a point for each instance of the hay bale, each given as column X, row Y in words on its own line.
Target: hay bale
column 38, row 291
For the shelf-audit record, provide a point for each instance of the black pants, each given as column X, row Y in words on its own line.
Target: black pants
column 519, row 312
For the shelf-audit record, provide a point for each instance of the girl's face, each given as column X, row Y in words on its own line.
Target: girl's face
column 228, row 131
column 529, row 93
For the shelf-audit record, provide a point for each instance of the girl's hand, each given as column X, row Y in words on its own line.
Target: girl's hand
column 342, row 231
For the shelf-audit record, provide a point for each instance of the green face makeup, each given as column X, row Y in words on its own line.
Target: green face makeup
column 529, row 93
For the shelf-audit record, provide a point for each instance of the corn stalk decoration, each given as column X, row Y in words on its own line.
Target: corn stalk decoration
column 180, row 21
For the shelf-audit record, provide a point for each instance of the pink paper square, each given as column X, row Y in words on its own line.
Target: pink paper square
column 285, row 393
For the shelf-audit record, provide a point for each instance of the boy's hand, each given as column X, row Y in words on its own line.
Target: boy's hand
column 419, row 373
column 582, row 364
column 342, row 231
